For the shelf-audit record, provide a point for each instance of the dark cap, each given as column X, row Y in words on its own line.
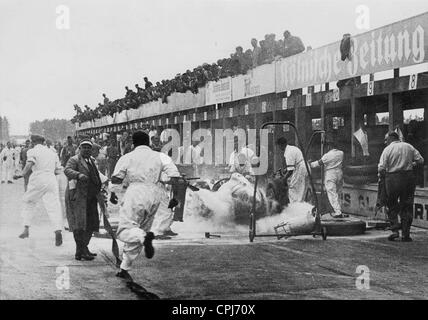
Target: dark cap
column 140, row 138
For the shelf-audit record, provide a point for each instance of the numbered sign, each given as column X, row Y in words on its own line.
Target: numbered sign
column 308, row 99
column 175, row 120
column 336, row 94
column 285, row 128
column 153, row 122
column 216, row 114
column 184, row 118
column 284, row 103
column 160, row 122
column 205, row 116
column 194, row 117
column 263, row 106
column 230, row 112
column 370, row 88
column 246, row 111
column 413, row 81
column 167, row 121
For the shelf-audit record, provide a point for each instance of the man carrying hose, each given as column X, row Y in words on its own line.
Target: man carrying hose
column 140, row 169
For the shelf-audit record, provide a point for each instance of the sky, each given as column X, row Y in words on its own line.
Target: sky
column 44, row 70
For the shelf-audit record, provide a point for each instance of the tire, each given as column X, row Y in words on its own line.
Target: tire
column 365, row 170
column 344, row 227
column 360, row 180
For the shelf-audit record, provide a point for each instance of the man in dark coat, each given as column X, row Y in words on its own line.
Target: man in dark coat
column 81, row 197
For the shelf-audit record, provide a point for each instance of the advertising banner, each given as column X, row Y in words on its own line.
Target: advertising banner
column 397, row 45
column 218, row 92
column 256, row 82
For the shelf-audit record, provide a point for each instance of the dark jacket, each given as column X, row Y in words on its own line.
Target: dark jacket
column 82, row 202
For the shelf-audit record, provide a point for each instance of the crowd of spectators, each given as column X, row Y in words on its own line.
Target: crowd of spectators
column 262, row 52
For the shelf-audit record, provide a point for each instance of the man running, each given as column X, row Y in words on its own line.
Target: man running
column 141, row 170
column 42, row 185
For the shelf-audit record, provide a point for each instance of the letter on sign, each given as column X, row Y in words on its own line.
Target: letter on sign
column 413, row 81
column 205, row 116
column 336, row 94
column 216, row 114
column 246, row 109
column 263, row 106
column 175, row 120
column 230, row 112
column 308, row 99
column 284, row 104
column 194, row 117
column 370, row 88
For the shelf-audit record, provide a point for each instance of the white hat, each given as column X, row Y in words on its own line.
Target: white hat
column 85, row 142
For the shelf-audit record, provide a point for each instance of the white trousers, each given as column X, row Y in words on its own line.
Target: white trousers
column 297, row 183
column 136, row 215
column 6, row 171
column 333, row 182
column 43, row 187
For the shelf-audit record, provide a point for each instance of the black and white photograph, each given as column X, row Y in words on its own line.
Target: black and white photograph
column 213, row 155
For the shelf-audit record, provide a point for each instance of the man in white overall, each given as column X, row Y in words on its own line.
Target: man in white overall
column 140, row 169
column 193, row 154
column 42, row 185
column 7, row 162
column 297, row 175
column 333, row 177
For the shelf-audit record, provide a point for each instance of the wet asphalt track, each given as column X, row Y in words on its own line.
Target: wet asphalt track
column 192, row 267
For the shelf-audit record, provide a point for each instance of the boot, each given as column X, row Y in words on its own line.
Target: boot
column 80, row 247
column 87, row 238
column 393, row 236
column 89, row 253
column 58, row 238
column 124, row 275
column 25, row 233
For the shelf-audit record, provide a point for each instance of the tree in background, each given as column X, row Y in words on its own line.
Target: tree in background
column 4, row 129
column 53, row 129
